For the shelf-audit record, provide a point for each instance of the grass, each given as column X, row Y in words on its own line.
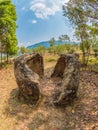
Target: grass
column 16, row 115
column 93, row 61
column 95, row 70
column 51, row 58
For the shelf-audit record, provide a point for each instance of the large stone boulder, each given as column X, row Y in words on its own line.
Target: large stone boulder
column 60, row 67
column 28, row 70
column 35, row 63
column 70, row 81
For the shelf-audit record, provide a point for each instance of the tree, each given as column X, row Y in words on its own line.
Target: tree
column 8, row 27
column 64, row 38
column 60, row 49
column 80, row 13
column 52, row 44
column 91, row 9
column 40, row 49
column 95, row 47
column 23, row 49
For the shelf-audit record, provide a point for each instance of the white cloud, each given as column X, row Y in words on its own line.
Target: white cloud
column 34, row 21
column 23, row 8
column 45, row 8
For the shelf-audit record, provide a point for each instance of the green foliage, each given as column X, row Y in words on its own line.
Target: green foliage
column 52, row 48
column 93, row 61
column 87, row 8
column 79, row 14
column 51, row 59
column 64, row 38
column 52, row 42
column 60, row 49
column 40, row 49
column 72, row 50
column 95, row 46
column 8, row 26
column 95, row 50
column 68, row 46
column 23, row 49
column 95, row 70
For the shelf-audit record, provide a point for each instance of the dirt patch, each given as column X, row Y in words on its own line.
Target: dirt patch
column 16, row 115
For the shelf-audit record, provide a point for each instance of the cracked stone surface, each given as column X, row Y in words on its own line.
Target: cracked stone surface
column 29, row 73
column 28, row 69
column 70, row 81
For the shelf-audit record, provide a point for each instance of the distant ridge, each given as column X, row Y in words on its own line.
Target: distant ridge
column 46, row 44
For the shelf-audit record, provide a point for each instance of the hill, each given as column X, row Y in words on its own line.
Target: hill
column 46, row 44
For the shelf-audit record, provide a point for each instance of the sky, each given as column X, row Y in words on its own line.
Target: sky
column 40, row 20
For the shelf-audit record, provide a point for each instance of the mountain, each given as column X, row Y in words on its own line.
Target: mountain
column 46, row 44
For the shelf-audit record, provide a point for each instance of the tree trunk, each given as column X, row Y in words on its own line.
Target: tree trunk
column 1, row 57
column 7, row 57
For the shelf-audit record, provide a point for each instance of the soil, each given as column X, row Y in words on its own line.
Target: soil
column 82, row 114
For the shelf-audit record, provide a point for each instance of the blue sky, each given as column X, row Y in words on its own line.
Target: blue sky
column 40, row 20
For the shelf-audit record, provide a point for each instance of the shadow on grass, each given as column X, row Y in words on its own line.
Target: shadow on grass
column 53, row 121
column 80, row 115
column 39, row 120
column 17, row 108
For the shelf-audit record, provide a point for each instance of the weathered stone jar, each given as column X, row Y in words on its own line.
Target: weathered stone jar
column 28, row 70
column 70, row 78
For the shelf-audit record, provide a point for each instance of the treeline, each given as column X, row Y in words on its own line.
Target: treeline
column 8, row 40
column 83, row 15
column 53, row 47
column 86, row 50
column 61, row 48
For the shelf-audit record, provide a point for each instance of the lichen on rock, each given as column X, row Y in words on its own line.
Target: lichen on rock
column 70, row 81
column 28, row 70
